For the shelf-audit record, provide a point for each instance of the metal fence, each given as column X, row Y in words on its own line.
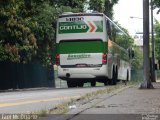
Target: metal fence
column 19, row 76
column 137, row 74
column 158, row 74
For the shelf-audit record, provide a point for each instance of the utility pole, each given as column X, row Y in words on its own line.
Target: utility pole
column 153, row 78
column 146, row 61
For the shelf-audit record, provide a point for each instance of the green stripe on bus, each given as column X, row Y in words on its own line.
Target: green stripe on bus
column 68, row 47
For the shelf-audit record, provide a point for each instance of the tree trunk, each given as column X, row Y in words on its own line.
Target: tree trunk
column 146, row 62
column 153, row 78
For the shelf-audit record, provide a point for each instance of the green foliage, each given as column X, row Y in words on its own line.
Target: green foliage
column 137, row 61
column 96, row 5
column 109, row 4
column 43, row 26
column 156, row 4
column 3, row 53
column 28, row 28
column 17, row 38
column 45, row 15
column 73, row 4
column 124, row 39
column 105, row 6
column 157, row 39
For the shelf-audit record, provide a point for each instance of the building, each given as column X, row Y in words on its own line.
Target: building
column 138, row 40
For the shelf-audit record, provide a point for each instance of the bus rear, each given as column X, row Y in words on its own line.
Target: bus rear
column 81, row 48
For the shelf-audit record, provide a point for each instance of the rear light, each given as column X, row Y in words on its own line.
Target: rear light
column 57, row 59
column 104, row 58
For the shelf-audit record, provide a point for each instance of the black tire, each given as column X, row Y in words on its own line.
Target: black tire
column 114, row 81
column 109, row 82
column 93, row 83
column 127, row 78
column 71, row 84
column 80, row 84
column 114, row 77
column 105, row 81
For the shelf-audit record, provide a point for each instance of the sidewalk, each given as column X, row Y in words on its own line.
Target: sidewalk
column 126, row 104
column 129, row 101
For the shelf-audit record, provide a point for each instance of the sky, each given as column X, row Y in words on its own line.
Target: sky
column 131, row 8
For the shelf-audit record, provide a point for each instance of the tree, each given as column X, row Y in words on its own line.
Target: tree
column 156, row 4
column 105, row 6
column 138, row 58
column 45, row 14
column 96, row 5
column 146, row 62
column 28, row 27
column 73, row 4
column 43, row 26
column 157, row 39
column 109, row 4
column 16, row 38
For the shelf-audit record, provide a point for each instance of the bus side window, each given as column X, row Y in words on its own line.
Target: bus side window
column 114, row 33
column 111, row 31
column 108, row 29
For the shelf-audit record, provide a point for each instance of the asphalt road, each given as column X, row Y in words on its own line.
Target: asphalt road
column 36, row 100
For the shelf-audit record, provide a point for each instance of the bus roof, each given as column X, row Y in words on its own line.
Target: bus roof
column 69, row 14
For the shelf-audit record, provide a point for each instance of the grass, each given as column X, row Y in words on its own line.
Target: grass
column 99, row 84
column 134, row 82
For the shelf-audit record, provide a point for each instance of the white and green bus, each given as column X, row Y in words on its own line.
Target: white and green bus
column 86, row 50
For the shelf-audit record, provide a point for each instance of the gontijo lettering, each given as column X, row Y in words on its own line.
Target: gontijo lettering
column 80, row 27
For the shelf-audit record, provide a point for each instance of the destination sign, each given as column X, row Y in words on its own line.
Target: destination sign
column 80, row 26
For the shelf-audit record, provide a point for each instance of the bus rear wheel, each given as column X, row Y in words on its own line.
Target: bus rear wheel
column 113, row 81
column 80, row 84
column 93, row 83
column 106, row 81
column 127, row 78
column 71, row 84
